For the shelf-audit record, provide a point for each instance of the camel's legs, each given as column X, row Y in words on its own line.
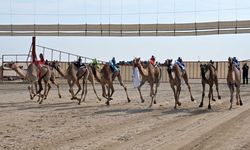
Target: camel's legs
column 45, row 91
column 151, row 93
column 121, row 83
column 109, row 94
column 30, row 88
column 212, row 92
column 238, row 96
column 71, row 84
column 217, row 88
column 210, row 95
column 104, row 91
column 178, row 91
column 79, row 87
column 84, row 91
column 185, row 77
column 203, row 94
column 175, row 97
column 112, row 91
column 231, row 87
column 49, row 87
column 58, row 88
column 92, row 81
column 139, row 89
column 241, row 103
column 156, row 89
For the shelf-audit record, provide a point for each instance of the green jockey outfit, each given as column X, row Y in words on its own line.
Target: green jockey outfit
column 95, row 63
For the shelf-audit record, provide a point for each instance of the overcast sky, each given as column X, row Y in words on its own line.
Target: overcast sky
column 216, row 47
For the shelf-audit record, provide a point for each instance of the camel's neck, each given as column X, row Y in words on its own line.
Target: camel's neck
column 97, row 75
column 63, row 74
column 176, row 71
column 142, row 71
column 170, row 74
column 20, row 72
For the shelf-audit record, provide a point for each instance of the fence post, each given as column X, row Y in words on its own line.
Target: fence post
column 60, row 56
column 52, row 52
column 2, row 66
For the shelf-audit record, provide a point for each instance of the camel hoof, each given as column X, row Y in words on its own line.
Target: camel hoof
column 192, row 99
column 179, row 104
column 201, row 105
column 219, row 97
column 241, row 103
column 142, row 101
column 213, row 99
column 73, row 98
column 154, row 102
column 237, row 103
column 79, row 102
column 209, row 107
column 107, row 103
column 60, row 96
column 129, row 100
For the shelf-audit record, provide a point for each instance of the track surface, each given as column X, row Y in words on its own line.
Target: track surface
column 62, row 124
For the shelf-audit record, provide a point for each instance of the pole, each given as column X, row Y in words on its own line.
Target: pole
column 33, row 49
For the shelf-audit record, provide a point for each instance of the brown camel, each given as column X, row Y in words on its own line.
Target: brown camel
column 233, row 81
column 175, row 77
column 73, row 76
column 106, row 77
column 31, row 75
column 151, row 74
column 209, row 76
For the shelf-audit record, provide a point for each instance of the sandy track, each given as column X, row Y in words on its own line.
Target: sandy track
column 62, row 124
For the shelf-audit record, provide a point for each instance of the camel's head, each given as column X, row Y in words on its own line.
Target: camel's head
column 230, row 60
column 55, row 64
column 11, row 65
column 203, row 68
column 168, row 62
column 136, row 62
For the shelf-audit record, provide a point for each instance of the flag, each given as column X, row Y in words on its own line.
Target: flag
column 33, row 52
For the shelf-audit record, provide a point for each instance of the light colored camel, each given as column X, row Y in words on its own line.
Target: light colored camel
column 31, row 75
column 151, row 74
column 106, row 77
column 175, row 76
column 73, row 76
column 233, row 81
column 209, row 76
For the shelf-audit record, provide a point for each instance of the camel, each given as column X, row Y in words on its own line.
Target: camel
column 151, row 74
column 175, row 77
column 209, row 76
column 233, row 81
column 73, row 76
column 106, row 77
column 31, row 76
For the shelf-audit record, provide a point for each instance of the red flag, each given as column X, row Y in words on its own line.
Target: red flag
column 33, row 53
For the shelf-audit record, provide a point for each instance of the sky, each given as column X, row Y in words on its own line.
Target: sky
column 216, row 47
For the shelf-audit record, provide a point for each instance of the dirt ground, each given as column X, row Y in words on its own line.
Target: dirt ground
column 62, row 124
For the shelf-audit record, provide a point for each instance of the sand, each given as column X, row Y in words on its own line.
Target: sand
column 62, row 124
